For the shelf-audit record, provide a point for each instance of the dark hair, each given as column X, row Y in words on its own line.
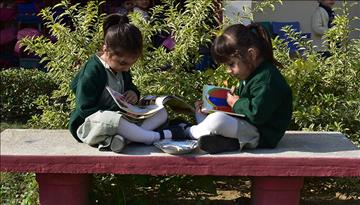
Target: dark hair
column 237, row 39
column 120, row 36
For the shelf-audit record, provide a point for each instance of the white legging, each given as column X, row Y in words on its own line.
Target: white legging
column 221, row 124
column 143, row 133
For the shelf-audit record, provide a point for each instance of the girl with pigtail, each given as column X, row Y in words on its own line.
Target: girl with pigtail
column 263, row 95
column 95, row 120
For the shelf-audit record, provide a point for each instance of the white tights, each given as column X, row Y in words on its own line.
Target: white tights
column 215, row 123
column 143, row 133
column 221, row 124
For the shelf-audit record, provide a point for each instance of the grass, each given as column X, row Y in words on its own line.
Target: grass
column 21, row 188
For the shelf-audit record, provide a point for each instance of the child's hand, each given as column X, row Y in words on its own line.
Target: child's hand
column 198, row 106
column 231, row 99
column 131, row 97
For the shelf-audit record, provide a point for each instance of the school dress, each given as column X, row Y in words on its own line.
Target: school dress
column 266, row 101
column 94, row 119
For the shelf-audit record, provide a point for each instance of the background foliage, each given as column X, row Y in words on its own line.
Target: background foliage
column 78, row 33
column 325, row 90
column 18, row 89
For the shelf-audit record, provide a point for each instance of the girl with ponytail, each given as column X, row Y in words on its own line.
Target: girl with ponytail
column 95, row 120
column 263, row 95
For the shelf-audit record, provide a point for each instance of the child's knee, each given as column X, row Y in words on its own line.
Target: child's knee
column 216, row 120
column 162, row 116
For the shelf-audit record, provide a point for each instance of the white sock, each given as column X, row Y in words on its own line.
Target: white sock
column 167, row 134
column 188, row 133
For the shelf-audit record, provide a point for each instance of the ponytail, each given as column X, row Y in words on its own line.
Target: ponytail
column 120, row 36
column 263, row 34
column 237, row 39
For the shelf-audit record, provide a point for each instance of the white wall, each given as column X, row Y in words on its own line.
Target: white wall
column 301, row 11
column 234, row 9
column 292, row 10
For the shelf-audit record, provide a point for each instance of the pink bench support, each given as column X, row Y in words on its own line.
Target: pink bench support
column 60, row 189
column 276, row 190
column 64, row 167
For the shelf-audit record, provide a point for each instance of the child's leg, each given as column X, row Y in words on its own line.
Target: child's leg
column 220, row 132
column 144, row 133
column 215, row 123
column 98, row 127
column 155, row 121
column 136, row 133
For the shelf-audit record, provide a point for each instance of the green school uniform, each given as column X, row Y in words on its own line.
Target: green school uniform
column 266, row 101
column 91, row 95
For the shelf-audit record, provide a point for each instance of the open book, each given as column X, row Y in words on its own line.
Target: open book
column 214, row 100
column 149, row 105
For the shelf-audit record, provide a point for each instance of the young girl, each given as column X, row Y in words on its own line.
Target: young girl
column 263, row 95
column 95, row 120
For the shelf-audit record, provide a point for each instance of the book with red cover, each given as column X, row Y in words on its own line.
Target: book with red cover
column 214, row 100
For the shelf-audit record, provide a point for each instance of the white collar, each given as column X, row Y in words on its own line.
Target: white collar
column 104, row 63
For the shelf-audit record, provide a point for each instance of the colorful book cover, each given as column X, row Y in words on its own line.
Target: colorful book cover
column 214, row 100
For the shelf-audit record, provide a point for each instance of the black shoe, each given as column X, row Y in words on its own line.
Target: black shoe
column 213, row 144
column 177, row 133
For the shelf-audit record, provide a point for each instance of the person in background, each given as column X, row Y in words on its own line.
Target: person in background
column 126, row 7
column 95, row 120
column 321, row 21
column 143, row 6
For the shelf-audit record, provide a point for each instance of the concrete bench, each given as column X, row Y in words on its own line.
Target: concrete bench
column 63, row 167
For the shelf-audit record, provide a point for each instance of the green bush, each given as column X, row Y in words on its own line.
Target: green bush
column 18, row 188
column 19, row 89
column 79, row 33
column 326, row 96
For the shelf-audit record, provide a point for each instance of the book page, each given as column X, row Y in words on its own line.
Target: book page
column 133, row 109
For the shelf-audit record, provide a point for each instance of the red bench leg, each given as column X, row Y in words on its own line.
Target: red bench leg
column 60, row 189
column 276, row 190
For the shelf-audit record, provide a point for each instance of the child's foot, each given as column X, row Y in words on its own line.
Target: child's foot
column 117, row 144
column 213, row 144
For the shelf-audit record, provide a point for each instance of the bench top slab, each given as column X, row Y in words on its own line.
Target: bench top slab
column 298, row 154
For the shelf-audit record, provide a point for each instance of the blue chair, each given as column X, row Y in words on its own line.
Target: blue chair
column 276, row 28
column 27, row 14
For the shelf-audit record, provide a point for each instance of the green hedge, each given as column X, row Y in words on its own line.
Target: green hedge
column 19, row 89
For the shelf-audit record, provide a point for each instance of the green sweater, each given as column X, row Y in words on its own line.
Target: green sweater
column 88, row 86
column 266, row 101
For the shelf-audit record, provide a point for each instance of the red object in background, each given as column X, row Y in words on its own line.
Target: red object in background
column 7, row 35
column 7, row 14
column 25, row 32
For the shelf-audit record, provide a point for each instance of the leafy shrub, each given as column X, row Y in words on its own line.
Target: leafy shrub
column 326, row 95
column 19, row 89
column 18, row 188
column 79, row 31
